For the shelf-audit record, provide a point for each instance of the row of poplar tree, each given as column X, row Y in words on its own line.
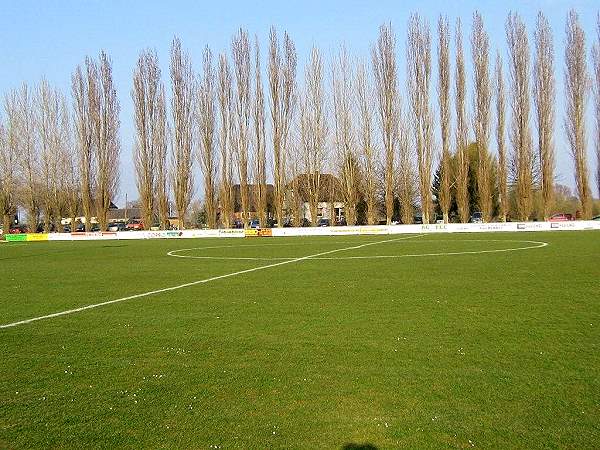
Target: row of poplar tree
column 352, row 117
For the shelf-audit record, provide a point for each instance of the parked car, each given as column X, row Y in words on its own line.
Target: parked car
column 323, row 222
column 560, row 217
column 342, row 222
column 116, row 226
column 67, row 229
column 41, row 228
column 155, row 226
column 18, row 229
column 477, row 217
column 254, row 223
column 134, row 224
column 596, row 218
column 80, row 228
column 238, row 224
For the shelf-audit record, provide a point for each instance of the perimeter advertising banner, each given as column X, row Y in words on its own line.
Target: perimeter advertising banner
column 15, row 237
column 95, row 236
column 231, row 232
column 26, row 237
column 316, row 231
column 37, row 237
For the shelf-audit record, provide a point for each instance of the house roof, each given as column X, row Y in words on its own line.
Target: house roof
column 121, row 213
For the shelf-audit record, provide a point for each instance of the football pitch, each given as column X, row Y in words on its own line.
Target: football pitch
column 485, row 340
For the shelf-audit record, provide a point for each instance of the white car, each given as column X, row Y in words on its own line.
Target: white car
column 477, row 217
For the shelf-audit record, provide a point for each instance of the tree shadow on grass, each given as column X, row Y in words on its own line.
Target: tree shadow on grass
column 354, row 446
column 36, row 255
column 55, row 252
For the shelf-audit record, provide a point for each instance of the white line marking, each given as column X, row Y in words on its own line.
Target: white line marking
column 193, row 283
column 538, row 244
column 258, row 245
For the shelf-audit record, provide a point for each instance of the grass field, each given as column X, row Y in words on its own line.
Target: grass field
column 364, row 342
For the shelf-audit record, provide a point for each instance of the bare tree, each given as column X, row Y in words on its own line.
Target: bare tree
column 63, row 161
column 28, row 151
column 43, row 111
column 344, row 132
column 182, row 106
column 462, row 134
column 368, row 151
column 225, row 98
column 206, row 120
column 146, row 93
column 53, row 134
column 482, row 100
column 69, row 181
column 294, row 162
column 240, row 48
column 8, row 164
column 520, row 134
column 81, row 82
column 596, row 81
column 160, row 137
column 274, row 74
column 4, row 187
column 576, row 87
column 260, row 151
column 500, row 140
column 418, row 57
column 386, row 88
column 282, row 87
column 105, row 115
column 445, row 198
column 406, row 180
column 47, row 120
column 313, row 131
column 544, row 97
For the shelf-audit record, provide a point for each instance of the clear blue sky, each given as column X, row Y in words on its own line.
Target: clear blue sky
column 50, row 38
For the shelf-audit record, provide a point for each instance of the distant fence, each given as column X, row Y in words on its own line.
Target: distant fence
column 440, row 228
column 125, row 235
column 315, row 231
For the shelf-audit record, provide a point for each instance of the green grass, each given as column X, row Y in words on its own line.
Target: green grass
column 494, row 350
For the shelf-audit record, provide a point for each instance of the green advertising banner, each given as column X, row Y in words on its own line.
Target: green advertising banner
column 15, row 237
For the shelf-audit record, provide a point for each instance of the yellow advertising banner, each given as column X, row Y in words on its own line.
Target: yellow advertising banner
column 37, row 237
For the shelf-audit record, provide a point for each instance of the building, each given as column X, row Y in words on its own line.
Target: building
column 330, row 205
column 123, row 214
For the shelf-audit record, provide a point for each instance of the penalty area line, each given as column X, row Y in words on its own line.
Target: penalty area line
column 194, row 283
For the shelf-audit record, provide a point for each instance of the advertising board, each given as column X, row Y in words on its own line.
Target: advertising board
column 316, row 231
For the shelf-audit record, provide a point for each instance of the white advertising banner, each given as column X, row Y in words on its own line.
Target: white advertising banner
column 135, row 235
column 336, row 231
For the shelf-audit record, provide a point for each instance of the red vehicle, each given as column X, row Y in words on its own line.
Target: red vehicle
column 560, row 217
column 136, row 225
column 18, row 229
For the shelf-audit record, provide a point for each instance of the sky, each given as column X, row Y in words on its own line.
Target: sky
column 50, row 38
